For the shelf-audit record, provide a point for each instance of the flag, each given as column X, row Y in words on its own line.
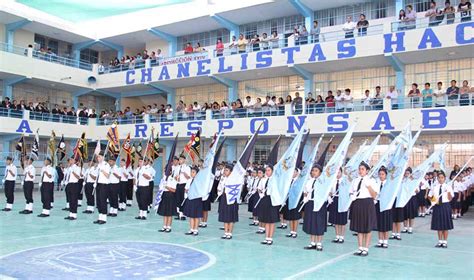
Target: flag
column 149, row 144
column 369, row 152
column 35, row 146
column 156, row 147
column 297, row 189
column 80, row 150
column 322, row 158
column 193, row 148
column 279, row 182
column 61, row 148
column 97, row 148
column 167, row 171
column 396, row 169
column 127, row 148
column 133, row 154
column 21, row 147
column 139, row 150
column 52, row 147
column 329, row 175
column 204, row 178
column 233, row 185
column 113, row 144
column 410, row 184
column 273, row 155
column 299, row 158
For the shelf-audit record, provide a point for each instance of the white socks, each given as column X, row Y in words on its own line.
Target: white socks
column 72, row 215
column 90, row 208
column 339, row 237
column 385, row 241
column 313, row 243
column 363, row 249
column 103, row 217
column 28, row 206
column 45, row 211
column 9, row 206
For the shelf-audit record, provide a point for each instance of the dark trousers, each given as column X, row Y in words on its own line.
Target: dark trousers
column 47, row 190
column 123, row 191
column 113, row 195
column 81, row 186
column 74, row 191
column 68, row 194
column 130, row 190
column 9, row 191
column 89, row 190
column 28, row 191
column 150, row 195
column 102, row 192
column 180, row 195
column 142, row 197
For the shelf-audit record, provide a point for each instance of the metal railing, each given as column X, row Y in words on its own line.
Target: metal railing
column 11, row 113
column 423, row 22
column 48, row 117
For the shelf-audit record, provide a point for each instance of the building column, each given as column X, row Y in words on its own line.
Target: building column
column 170, row 93
column 231, row 150
column 399, row 68
column 233, row 28
column 8, row 86
column 399, row 5
column 78, row 47
column 304, row 11
column 113, row 46
column 172, row 40
column 308, row 78
column 10, row 30
column 232, row 87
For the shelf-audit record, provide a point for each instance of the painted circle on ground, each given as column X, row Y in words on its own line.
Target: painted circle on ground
column 102, row 260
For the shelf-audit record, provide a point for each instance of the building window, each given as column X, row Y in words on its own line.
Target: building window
column 89, row 56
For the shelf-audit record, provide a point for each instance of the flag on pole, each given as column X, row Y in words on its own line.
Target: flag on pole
column 127, row 148
column 169, row 164
column 193, row 148
column 200, row 185
column 411, row 183
column 328, row 177
column 396, row 169
column 167, row 173
column 113, row 144
column 299, row 159
column 133, row 154
column 21, row 148
column 156, row 147
column 279, row 182
column 35, row 146
column 80, row 150
column 273, row 155
column 149, row 144
column 369, row 152
column 97, row 148
column 61, row 148
column 139, row 150
column 297, row 189
column 52, row 147
column 322, row 158
column 233, row 185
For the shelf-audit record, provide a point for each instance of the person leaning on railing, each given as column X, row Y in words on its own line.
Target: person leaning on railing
column 414, row 94
column 453, row 93
column 464, row 92
column 449, row 11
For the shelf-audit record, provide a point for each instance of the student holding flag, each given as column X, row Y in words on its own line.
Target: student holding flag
column 228, row 213
column 410, row 210
column 261, row 181
column 90, row 179
column 338, row 219
column 46, row 187
column 193, row 207
column 384, row 218
column 144, row 177
column 441, row 221
column 183, row 174
column 123, row 185
column 29, row 173
column 293, row 215
column 114, row 186
column 252, row 195
column 269, row 214
column 363, row 219
column 102, row 188
column 73, row 188
column 9, row 183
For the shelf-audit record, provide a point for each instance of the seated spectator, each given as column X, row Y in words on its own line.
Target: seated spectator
column 330, row 102
column 339, row 98
column 219, row 47
column 392, row 94
column 242, row 43
column 362, row 25
column 348, row 100
column 449, row 11
column 427, row 94
column 349, row 27
column 464, row 92
column 453, row 94
column 188, row 49
column 414, row 95
column 440, row 96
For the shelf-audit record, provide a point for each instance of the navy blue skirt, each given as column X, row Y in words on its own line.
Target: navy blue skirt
column 228, row 213
column 206, row 204
column 420, row 196
column 384, row 219
column 335, row 217
column 252, row 200
column 167, row 207
column 398, row 215
column 213, row 194
column 455, row 204
column 410, row 211
column 441, row 218
column 364, row 218
column 315, row 223
column 193, row 208
column 267, row 213
column 291, row 215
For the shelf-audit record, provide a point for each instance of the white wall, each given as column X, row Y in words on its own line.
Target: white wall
column 157, row 44
column 140, row 101
column 24, row 38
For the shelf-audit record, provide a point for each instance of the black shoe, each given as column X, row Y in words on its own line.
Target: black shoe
column 138, row 218
column 341, row 241
column 86, row 212
column 65, row 209
column 319, row 248
column 183, row 218
column 101, row 222
column 282, row 226
column 265, row 242
column 289, row 235
column 70, row 218
column 143, row 218
column 393, row 237
column 439, row 245
column 195, row 233
column 168, row 230
column 221, row 228
column 354, row 233
column 129, row 205
column 121, row 209
column 253, row 224
column 385, row 246
column 335, row 240
column 96, row 222
column 188, row 233
column 177, row 218
column 310, row 247
column 364, row 254
column 404, row 231
column 358, row 253
column 398, row 238
column 43, row 215
column 203, row 226
column 444, row 245
column 295, row 235
column 229, row 237
column 162, row 230
column 6, row 209
column 260, row 232
column 23, row 211
column 224, row 237
column 379, row 245
column 250, row 218
column 110, row 214
column 113, row 215
column 269, row 242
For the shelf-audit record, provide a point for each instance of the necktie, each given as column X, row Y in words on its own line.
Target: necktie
column 359, row 185
column 439, row 195
column 337, row 185
column 312, row 189
column 381, row 186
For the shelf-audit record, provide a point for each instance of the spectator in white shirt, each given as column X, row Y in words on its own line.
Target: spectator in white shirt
column 233, row 45
column 440, row 97
column 410, row 19
column 366, row 101
column 349, row 27
column 339, row 101
column 275, row 40
column 392, row 94
column 348, row 100
column 264, row 41
column 248, row 104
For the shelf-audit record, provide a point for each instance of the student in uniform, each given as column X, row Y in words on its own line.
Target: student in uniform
column 74, row 189
column 421, row 196
column 192, row 208
column 441, row 221
column 293, row 215
column 182, row 176
column 123, row 186
column 257, row 176
column 9, row 183
column 81, row 184
column 28, row 184
column 130, row 175
column 228, row 214
column 260, row 194
column 338, row 219
column 363, row 219
column 89, row 189
column 64, row 184
column 268, row 214
column 142, row 189
column 410, row 211
column 458, row 188
column 167, row 207
column 398, row 216
column 206, row 207
column 114, row 186
column 384, row 218
column 46, row 187
column 102, row 188
column 151, row 186
column 314, row 222
column 215, row 183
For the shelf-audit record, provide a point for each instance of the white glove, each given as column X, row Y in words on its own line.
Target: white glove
column 135, row 188
column 3, row 181
column 95, row 185
column 330, row 200
column 40, row 184
column 22, row 183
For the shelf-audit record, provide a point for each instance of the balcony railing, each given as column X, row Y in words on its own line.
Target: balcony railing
column 47, row 117
column 423, row 22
